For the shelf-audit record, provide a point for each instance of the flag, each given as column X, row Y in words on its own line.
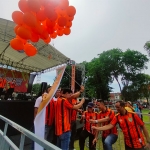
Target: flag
column 39, row 121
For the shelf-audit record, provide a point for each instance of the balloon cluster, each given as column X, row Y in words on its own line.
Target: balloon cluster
column 40, row 19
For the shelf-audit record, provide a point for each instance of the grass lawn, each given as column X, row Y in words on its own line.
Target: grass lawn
column 119, row 145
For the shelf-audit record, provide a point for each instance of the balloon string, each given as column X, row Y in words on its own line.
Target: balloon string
column 72, row 78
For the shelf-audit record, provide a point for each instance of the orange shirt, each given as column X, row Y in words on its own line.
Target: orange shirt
column 74, row 112
column 50, row 113
column 87, row 124
column 108, row 113
column 130, row 124
column 62, row 116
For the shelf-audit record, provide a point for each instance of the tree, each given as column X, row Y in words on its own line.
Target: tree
column 36, row 88
column 147, row 47
column 96, row 82
column 111, row 62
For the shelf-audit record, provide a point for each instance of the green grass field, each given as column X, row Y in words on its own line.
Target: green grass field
column 119, row 145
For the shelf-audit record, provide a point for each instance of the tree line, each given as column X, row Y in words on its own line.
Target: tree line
column 126, row 67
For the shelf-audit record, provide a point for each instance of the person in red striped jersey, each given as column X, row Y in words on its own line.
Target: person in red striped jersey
column 87, row 129
column 63, row 117
column 50, row 119
column 105, row 116
column 131, row 126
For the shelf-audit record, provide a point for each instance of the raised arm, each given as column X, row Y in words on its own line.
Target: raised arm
column 106, row 127
column 76, row 107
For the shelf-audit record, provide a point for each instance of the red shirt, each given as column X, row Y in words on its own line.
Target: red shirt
column 50, row 113
column 130, row 124
column 108, row 113
column 87, row 124
column 11, row 84
column 2, row 83
column 62, row 116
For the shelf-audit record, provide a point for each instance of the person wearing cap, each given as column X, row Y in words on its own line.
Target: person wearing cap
column 129, row 106
column 105, row 116
column 87, row 128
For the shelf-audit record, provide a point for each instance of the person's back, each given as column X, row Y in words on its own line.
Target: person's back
column 62, row 117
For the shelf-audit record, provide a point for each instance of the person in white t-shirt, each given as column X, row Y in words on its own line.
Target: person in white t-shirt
column 38, row 101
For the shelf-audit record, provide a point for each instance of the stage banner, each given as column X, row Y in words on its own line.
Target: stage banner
column 73, row 78
column 39, row 121
column 22, row 79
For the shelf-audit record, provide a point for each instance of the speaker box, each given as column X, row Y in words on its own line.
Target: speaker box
column 42, row 88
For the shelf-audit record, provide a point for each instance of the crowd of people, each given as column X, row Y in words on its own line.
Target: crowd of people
column 61, row 115
column 7, row 91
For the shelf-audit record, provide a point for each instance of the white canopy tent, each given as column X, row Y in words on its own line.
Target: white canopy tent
column 20, row 61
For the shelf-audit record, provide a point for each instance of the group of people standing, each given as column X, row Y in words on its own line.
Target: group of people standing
column 60, row 123
column 7, row 91
column 61, row 114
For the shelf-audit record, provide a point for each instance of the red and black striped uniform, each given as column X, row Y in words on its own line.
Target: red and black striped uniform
column 62, row 116
column 130, row 124
column 108, row 113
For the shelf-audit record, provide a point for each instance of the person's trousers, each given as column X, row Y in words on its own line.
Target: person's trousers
column 84, row 134
column 73, row 134
column 50, row 134
column 109, row 141
column 129, row 148
column 63, row 140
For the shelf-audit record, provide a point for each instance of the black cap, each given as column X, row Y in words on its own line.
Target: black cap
column 90, row 104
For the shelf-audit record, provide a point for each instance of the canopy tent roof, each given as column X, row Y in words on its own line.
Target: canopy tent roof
column 21, row 61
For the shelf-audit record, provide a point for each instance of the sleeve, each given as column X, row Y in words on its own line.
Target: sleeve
column 68, row 104
column 38, row 101
column 138, row 120
column 114, row 121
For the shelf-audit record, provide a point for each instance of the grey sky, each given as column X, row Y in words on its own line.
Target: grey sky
column 100, row 25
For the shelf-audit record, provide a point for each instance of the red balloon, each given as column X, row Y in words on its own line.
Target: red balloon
column 41, row 15
column 67, row 31
column 24, row 33
column 63, row 4
column 17, row 44
column 29, row 19
column 30, row 50
column 71, row 11
column 44, row 35
column 50, row 24
column 69, row 24
column 34, row 5
column 23, row 6
column 59, row 32
column 16, row 28
column 61, row 12
column 48, row 40
column 70, row 18
column 17, row 17
column 51, row 14
column 54, row 35
column 23, row 40
column 50, row 30
column 34, row 37
column 62, row 21
column 38, row 29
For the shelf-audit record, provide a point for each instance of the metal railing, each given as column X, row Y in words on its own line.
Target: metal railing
column 7, row 144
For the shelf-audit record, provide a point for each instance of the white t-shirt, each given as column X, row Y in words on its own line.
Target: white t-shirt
column 38, row 101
